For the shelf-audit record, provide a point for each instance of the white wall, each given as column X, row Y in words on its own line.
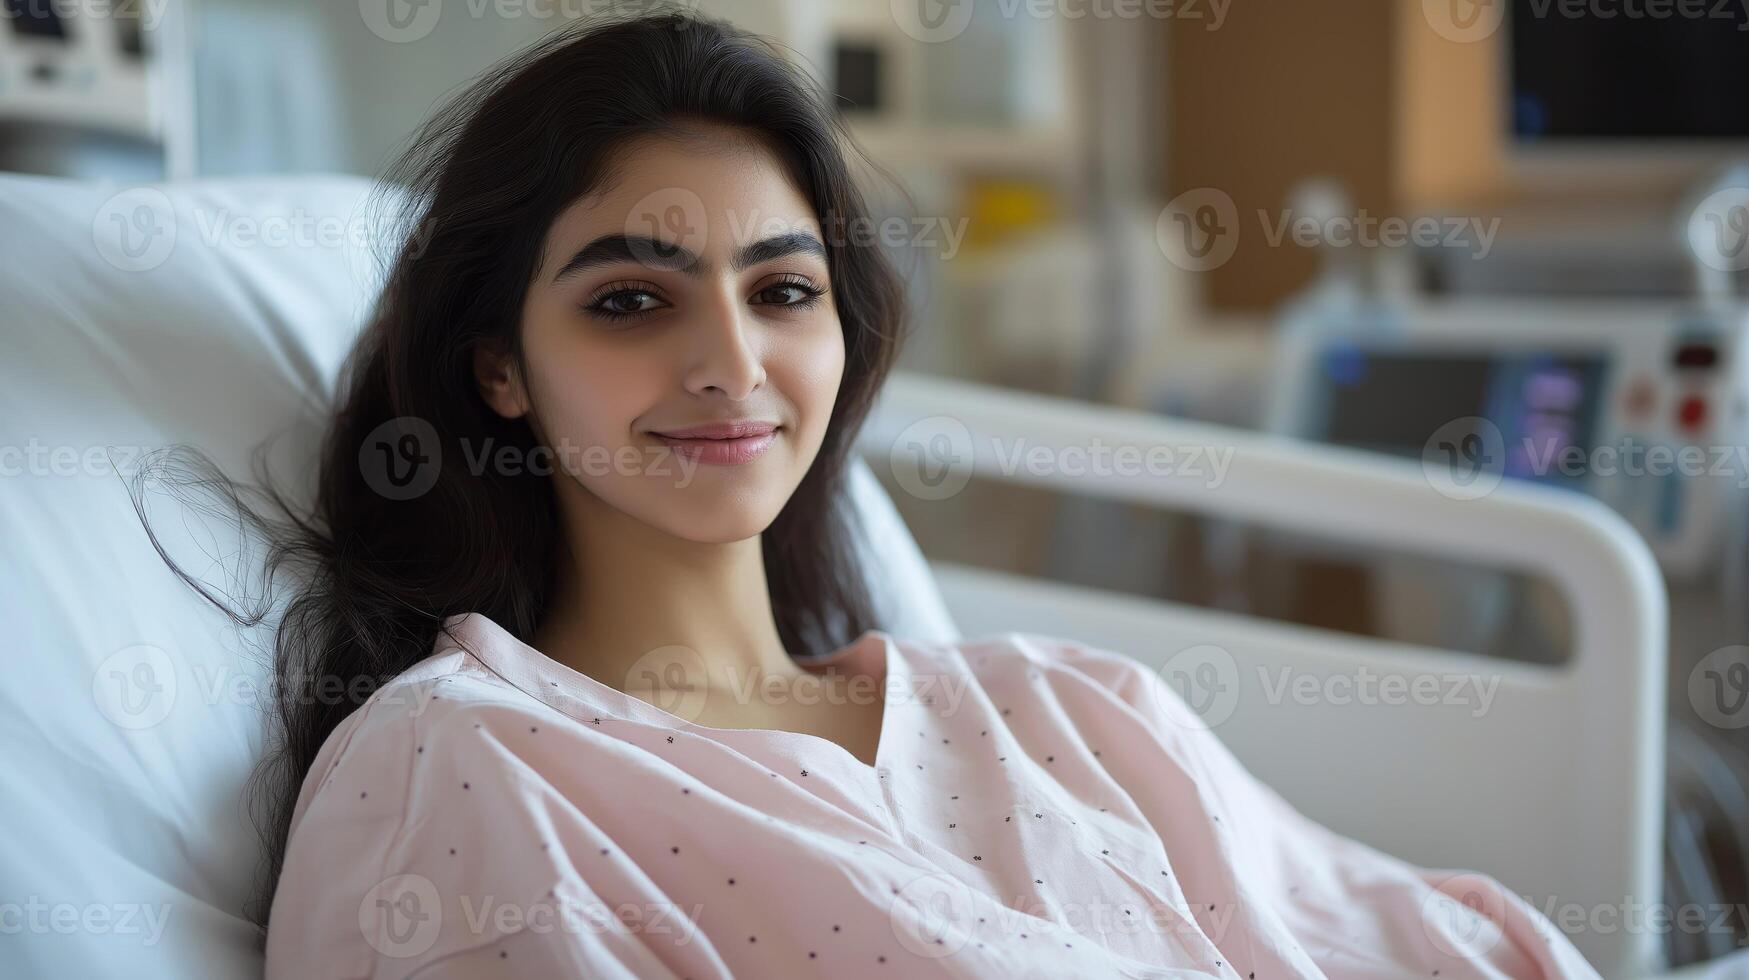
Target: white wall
column 285, row 87
column 301, row 87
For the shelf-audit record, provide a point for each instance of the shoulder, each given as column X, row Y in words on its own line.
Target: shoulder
column 1117, row 679
column 1012, row 651
column 417, row 798
column 442, row 701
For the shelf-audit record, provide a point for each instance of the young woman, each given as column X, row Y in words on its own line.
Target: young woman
column 581, row 679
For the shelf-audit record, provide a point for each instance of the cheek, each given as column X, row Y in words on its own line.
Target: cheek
column 810, row 370
column 585, row 394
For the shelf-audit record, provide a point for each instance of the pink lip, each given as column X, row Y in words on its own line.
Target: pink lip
column 720, row 430
column 723, row 443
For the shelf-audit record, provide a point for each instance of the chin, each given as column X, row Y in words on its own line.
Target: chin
column 707, row 515
column 722, row 528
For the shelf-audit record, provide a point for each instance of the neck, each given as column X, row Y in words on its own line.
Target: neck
column 624, row 589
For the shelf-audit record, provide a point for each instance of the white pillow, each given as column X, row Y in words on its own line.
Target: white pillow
column 135, row 321
column 214, row 313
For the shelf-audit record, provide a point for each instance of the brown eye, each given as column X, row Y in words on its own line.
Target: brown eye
column 788, row 293
column 623, row 303
column 627, row 302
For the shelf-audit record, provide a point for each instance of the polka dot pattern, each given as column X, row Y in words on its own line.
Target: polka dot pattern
column 1031, row 804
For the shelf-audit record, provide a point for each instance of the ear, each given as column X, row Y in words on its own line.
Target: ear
column 499, row 380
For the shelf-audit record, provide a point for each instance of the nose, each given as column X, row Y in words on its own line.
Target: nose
column 724, row 355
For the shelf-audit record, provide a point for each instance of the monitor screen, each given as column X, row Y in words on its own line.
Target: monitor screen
column 1544, row 406
column 1629, row 71
column 35, row 18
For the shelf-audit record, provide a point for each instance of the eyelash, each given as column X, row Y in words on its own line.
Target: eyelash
column 595, row 306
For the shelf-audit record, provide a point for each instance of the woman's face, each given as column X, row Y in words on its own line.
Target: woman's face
column 691, row 291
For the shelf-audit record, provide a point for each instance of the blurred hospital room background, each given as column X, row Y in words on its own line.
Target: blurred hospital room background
column 1506, row 240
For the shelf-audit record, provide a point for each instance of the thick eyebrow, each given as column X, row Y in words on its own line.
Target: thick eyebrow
column 609, row 249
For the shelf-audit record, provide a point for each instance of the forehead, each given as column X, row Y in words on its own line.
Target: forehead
column 710, row 191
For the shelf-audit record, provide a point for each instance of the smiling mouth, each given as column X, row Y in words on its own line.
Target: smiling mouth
column 730, row 450
column 737, row 429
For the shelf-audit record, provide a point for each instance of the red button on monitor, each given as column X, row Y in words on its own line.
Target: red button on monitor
column 1691, row 413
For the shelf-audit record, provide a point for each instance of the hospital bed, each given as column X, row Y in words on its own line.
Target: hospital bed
column 216, row 313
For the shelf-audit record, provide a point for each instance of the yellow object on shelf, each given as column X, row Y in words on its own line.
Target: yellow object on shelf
column 999, row 210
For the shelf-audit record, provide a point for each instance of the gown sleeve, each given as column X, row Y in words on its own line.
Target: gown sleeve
column 426, row 845
column 1245, row 852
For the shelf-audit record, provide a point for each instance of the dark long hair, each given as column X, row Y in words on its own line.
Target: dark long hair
column 372, row 577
